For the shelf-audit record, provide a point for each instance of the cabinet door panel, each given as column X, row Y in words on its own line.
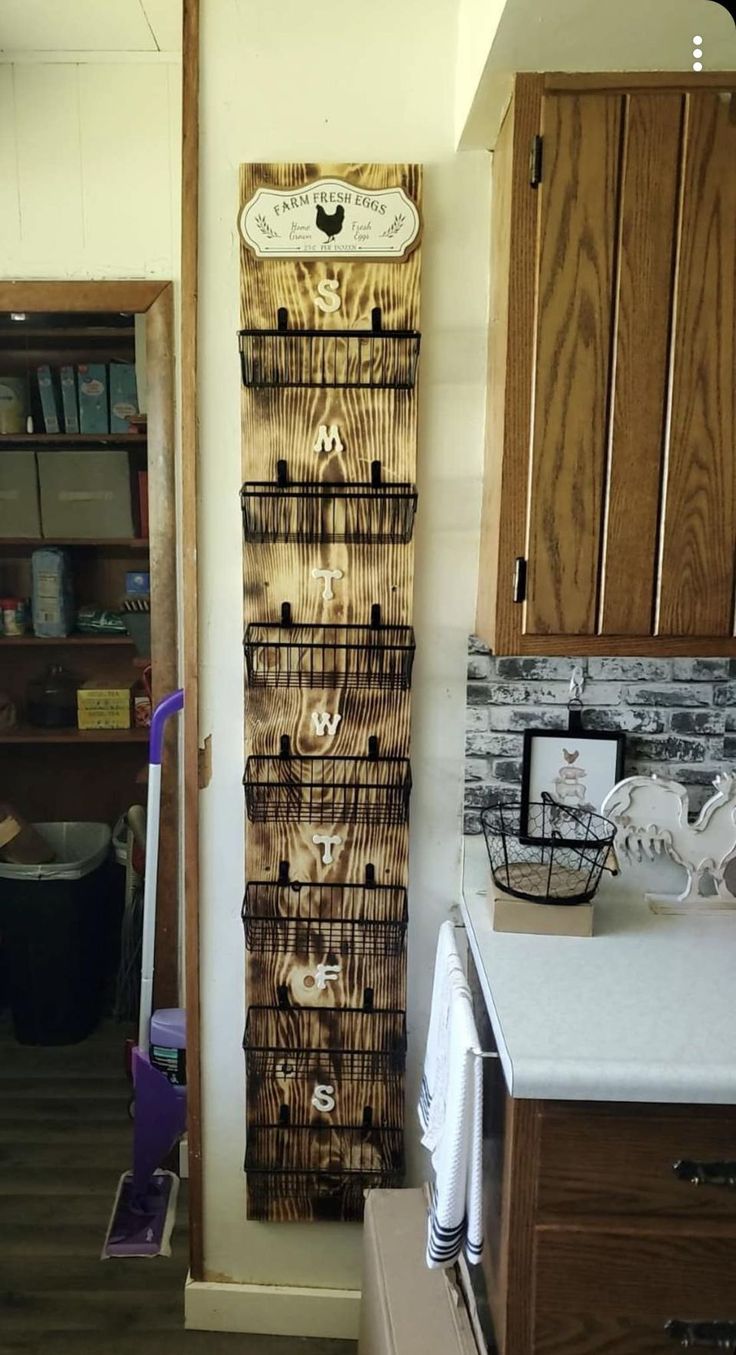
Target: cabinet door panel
column 579, row 193
column 647, row 219
column 697, row 567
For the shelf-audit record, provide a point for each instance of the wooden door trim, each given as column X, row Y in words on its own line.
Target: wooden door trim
column 628, row 81
column 134, row 296
column 190, row 632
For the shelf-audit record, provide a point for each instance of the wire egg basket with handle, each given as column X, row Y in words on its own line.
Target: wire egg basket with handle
column 546, row 852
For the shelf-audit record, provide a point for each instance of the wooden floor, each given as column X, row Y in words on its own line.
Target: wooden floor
column 65, row 1137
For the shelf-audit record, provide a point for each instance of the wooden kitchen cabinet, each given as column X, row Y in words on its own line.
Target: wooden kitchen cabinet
column 596, row 1241
column 609, row 515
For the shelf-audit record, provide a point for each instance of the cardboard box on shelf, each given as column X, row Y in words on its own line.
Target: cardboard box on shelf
column 19, row 510
column 123, row 396
column 92, row 387
column 85, row 494
column 102, row 704
column 20, row 843
column 407, row 1309
column 47, row 392
column 69, row 405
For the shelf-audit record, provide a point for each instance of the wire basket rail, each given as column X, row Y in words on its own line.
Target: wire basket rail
column 309, row 511
column 287, row 789
column 349, row 919
column 305, row 1043
column 338, row 359
column 296, row 1170
column 347, row 657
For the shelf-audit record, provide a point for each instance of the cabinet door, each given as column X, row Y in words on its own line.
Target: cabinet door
column 631, row 513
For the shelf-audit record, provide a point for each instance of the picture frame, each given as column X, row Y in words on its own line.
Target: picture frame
column 576, row 767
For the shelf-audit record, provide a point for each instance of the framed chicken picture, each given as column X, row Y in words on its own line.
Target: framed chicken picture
column 575, row 770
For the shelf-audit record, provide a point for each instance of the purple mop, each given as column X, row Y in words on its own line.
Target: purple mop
column 145, row 1204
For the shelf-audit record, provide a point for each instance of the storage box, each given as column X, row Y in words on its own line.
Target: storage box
column 19, row 510
column 407, row 1309
column 92, row 387
column 103, row 705
column 85, row 494
column 47, row 393
column 123, row 396
column 69, row 400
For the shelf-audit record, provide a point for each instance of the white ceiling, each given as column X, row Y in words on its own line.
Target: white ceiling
column 57, row 26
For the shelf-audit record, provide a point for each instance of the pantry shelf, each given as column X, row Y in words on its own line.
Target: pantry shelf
column 27, row 734
column 116, row 543
column 73, row 439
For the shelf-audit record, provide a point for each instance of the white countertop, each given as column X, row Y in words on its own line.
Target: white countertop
column 645, row 1010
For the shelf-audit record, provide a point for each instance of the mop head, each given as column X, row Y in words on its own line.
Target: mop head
column 142, row 1226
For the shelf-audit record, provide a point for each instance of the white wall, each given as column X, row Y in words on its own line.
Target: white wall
column 356, row 82
column 89, row 169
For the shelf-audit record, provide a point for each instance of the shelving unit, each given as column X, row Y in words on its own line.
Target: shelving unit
column 31, row 734
column 69, row 773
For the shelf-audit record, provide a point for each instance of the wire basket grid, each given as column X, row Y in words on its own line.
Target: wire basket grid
column 320, row 790
column 310, row 512
column 301, row 919
column 546, row 852
column 354, row 658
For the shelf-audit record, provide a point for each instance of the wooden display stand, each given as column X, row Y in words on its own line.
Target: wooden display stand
column 329, row 415
column 539, row 919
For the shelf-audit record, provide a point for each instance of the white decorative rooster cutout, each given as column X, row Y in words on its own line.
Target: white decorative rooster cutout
column 651, row 819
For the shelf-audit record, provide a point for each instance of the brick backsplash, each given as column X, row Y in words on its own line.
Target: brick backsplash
column 679, row 717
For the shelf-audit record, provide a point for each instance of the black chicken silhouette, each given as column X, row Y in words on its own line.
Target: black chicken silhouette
column 330, row 223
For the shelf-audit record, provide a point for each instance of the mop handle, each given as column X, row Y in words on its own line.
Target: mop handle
column 170, row 705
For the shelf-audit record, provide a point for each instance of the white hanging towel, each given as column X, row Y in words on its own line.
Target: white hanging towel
column 451, row 1113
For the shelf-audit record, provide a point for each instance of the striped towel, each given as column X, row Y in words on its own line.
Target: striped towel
column 451, row 1113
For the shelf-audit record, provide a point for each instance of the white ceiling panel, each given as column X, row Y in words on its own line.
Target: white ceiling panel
column 164, row 16
column 75, row 26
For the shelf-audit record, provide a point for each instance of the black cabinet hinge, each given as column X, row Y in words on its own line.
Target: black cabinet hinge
column 535, row 161
column 520, row 579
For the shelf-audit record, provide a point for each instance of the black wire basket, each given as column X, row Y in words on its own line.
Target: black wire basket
column 287, row 789
column 319, row 1171
column 304, row 919
column 546, row 852
column 341, row 657
column 305, row 512
column 324, row 1044
column 338, row 359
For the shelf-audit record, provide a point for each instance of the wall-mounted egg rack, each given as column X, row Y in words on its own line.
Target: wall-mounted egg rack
column 329, row 349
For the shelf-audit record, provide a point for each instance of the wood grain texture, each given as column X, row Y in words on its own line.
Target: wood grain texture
column 597, row 1160
column 164, row 626
column 190, row 661
column 503, row 533
column 648, row 211
column 79, row 296
column 521, row 1155
column 582, row 145
column 496, row 404
column 634, row 645
column 642, row 1277
column 280, row 573
column 267, row 284
column 362, row 714
column 627, row 81
column 371, row 426
column 699, row 525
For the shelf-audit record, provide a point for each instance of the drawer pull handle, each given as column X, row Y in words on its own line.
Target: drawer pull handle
column 716, row 1335
column 705, row 1173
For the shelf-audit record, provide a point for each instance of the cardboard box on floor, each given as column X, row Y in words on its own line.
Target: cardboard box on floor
column 406, row 1309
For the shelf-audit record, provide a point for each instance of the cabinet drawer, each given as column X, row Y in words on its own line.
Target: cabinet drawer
column 599, row 1160
column 616, row 1292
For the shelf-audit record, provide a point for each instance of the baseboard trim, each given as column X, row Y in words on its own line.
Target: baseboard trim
column 273, row 1310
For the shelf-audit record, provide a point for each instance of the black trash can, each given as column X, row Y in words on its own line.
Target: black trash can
column 54, row 926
